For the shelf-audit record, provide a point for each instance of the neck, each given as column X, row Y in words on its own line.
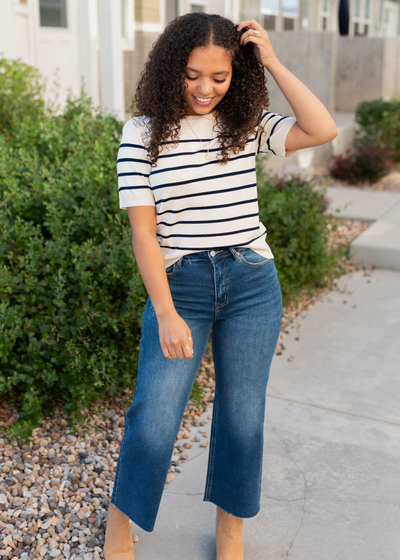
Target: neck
column 191, row 113
column 208, row 116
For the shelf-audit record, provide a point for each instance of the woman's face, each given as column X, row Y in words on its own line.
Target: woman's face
column 208, row 77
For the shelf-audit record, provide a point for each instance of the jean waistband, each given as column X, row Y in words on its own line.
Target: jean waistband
column 212, row 254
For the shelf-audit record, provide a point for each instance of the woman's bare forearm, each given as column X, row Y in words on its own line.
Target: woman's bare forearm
column 311, row 114
column 151, row 266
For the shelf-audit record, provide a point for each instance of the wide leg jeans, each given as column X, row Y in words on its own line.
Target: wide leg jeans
column 235, row 294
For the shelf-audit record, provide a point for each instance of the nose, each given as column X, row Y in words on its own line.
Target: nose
column 204, row 89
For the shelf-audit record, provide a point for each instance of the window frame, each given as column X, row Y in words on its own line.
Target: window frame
column 324, row 14
column 128, row 41
column 20, row 9
column 387, row 7
column 361, row 19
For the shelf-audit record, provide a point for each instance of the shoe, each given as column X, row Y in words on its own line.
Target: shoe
column 118, row 544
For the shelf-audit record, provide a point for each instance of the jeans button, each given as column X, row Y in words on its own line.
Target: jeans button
column 212, row 253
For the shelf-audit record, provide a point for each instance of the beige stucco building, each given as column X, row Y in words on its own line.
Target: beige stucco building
column 106, row 42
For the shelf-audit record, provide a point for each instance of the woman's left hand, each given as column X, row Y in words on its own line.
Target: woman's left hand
column 262, row 45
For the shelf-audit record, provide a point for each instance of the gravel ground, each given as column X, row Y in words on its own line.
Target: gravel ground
column 55, row 488
column 388, row 183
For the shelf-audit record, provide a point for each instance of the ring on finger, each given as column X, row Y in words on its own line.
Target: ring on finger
column 255, row 32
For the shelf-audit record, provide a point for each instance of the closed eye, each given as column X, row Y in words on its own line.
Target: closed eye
column 217, row 81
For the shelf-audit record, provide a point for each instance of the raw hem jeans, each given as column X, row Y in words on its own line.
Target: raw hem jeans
column 235, row 293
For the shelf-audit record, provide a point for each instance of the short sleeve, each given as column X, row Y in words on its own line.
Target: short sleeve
column 271, row 135
column 133, row 169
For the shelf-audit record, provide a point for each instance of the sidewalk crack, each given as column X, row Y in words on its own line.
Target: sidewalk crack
column 286, row 445
column 281, row 499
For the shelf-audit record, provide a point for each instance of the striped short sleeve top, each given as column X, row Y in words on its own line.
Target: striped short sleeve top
column 200, row 204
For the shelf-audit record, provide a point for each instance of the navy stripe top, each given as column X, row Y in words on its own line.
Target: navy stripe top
column 200, row 204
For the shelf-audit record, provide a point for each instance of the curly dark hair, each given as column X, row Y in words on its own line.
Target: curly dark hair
column 159, row 94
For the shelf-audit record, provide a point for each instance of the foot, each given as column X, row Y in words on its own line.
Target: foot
column 229, row 536
column 118, row 544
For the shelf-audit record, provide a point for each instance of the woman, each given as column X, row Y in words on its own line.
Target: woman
column 186, row 172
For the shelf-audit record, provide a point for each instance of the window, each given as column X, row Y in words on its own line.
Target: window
column 288, row 24
column 324, row 15
column 360, row 29
column 187, row 6
column 197, row 6
column 270, row 5
column 269, row 23
column 289, row 7
column 53, row 13
column 270, row 11
column 279, row 14
column 361, row 18
column 289, row 13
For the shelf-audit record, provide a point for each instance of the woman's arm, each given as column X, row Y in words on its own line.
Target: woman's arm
column 173, row 330
column 314, row 124
column 152, row 270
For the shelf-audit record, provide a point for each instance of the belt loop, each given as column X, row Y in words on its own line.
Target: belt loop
column 234, row 253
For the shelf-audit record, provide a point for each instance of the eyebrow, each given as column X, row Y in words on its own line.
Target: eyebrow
column 198, row 71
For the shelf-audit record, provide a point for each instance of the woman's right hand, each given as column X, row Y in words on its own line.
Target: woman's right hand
column 174, row 336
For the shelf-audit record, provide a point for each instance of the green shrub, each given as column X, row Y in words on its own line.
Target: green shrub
column 390, row 138
column 71, row 296
column 379, row 123
column 298, row 232
column 21, row 96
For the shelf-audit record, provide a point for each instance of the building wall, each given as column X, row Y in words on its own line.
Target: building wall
column 147, row 10
column 391, row 68
column 367, row 68
column 63, row 55
column 150, row 20
column 17, row 32
column 134, row 63
column 311, row 57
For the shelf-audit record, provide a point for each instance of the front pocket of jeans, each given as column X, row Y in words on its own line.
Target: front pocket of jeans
column 173, row 268
column 252, row 258
column 170, row 270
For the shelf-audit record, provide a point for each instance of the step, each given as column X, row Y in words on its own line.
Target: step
column 358, row 204
column 379, row 245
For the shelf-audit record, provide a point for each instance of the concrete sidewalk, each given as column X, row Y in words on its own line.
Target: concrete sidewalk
column 359, row 204
column 379, row 245
column 331, row 473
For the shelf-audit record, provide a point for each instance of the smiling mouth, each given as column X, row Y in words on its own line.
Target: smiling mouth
column 203, row 100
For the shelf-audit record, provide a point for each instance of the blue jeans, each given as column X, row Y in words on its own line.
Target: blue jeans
column 235, row 293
